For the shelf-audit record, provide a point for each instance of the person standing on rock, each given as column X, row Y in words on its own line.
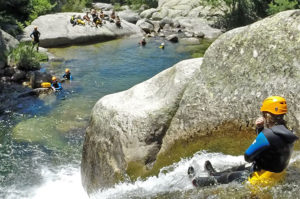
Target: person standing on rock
column 35, row 35
column 269, row 153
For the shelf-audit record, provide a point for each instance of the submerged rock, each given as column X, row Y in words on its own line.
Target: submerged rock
column 56, row 30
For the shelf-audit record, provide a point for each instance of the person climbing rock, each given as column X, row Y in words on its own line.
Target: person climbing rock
column 269, row 153
column 35, row 36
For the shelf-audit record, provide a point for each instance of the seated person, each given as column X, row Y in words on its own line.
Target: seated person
column 112, row 16
column 67, row 74
column 56, row 86
column 101, row 15
column 73, row 20
column 118, row 22
column 80, row 21
column 87, row 18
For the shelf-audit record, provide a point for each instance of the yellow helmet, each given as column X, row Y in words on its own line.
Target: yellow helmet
column 67, row 70
column 53, row 78
column 275, row 105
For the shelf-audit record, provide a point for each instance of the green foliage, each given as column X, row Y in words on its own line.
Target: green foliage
column 139, row 3
column 281, row 5
column 74, row 5
column 25, row 57
column 39, row 7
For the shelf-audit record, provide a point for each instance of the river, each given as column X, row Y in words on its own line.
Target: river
column 41, row 141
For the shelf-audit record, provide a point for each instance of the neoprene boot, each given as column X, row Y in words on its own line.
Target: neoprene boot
column 204, row 181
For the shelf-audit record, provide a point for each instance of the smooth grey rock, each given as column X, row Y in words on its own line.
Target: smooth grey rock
column 165, row 21
column 148, row 13
column 18, row 76
column 7, row 42
column 239, row 70
column 145, row 25
column 190, row 41
column 129, row 16
column 56, row 30
column 197, row 25
column 145, row 111
column 36, row 78
column 36, row 92
column 172, row 38
column 103, row 6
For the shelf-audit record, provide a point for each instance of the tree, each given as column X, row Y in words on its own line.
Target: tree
column 281, row 5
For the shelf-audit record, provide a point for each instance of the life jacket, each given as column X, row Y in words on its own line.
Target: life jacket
column 72, row 20
column 272, row 149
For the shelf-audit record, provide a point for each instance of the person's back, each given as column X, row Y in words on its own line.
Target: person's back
column 272, row 149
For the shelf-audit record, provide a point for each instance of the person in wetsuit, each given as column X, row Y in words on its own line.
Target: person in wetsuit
column 35, row 35
column 143, row 41
column 270, row 151
column 56, row 86
column 67, row 74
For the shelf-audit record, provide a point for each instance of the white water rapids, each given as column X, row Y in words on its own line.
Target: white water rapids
column 66, row 183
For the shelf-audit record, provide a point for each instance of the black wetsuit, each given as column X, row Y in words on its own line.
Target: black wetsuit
column 271, row 151
column 67, row 76
column 36, row 36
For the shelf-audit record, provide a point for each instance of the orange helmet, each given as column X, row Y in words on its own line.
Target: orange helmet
column 275, row 105
column 67, row 70
column 53, row 78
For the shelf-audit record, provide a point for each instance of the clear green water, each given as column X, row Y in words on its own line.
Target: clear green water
column 47, row 132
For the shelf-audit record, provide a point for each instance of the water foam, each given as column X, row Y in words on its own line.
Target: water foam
column 170, row 179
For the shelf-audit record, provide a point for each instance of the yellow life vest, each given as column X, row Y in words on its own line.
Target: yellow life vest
column 262, row 179
column 46, row 85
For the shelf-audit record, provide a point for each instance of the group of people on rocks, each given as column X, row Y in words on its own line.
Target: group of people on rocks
column 96, row 19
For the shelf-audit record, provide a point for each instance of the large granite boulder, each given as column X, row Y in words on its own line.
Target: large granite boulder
column 7, row 42
column 103, row 6
column 239, row 70
column 146, row 25
column 129, row 126
column 224, row 94
column 198, row 25
column 56, row 30
column 183, row 8
column 129, row 16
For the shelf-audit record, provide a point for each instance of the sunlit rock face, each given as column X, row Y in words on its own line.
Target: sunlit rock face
column 222, row 93
column 239, row 70
column 129, row 126
column 56, row 30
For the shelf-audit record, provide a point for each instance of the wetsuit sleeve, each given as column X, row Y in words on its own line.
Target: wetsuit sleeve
column 260, row 144
column 31, row 35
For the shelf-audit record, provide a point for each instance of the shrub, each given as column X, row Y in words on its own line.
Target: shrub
column 281, row 5
column 25, row 57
